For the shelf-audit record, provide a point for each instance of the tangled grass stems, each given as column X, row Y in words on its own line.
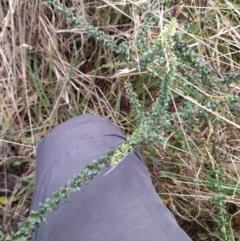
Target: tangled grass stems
column 79, row 22
column 166, row 59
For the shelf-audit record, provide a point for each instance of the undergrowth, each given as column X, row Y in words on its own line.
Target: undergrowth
column 166, row 71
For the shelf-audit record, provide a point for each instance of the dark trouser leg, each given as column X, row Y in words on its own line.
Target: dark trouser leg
column 122, row 205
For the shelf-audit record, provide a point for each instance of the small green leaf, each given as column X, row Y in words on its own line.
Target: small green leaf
column 3, row 200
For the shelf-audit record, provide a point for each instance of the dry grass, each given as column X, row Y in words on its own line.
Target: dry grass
column 51, row 71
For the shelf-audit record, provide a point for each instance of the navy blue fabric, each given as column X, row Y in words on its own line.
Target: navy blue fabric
column 122, row 205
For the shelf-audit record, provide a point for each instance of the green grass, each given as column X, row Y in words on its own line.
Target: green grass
column 52, row 71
